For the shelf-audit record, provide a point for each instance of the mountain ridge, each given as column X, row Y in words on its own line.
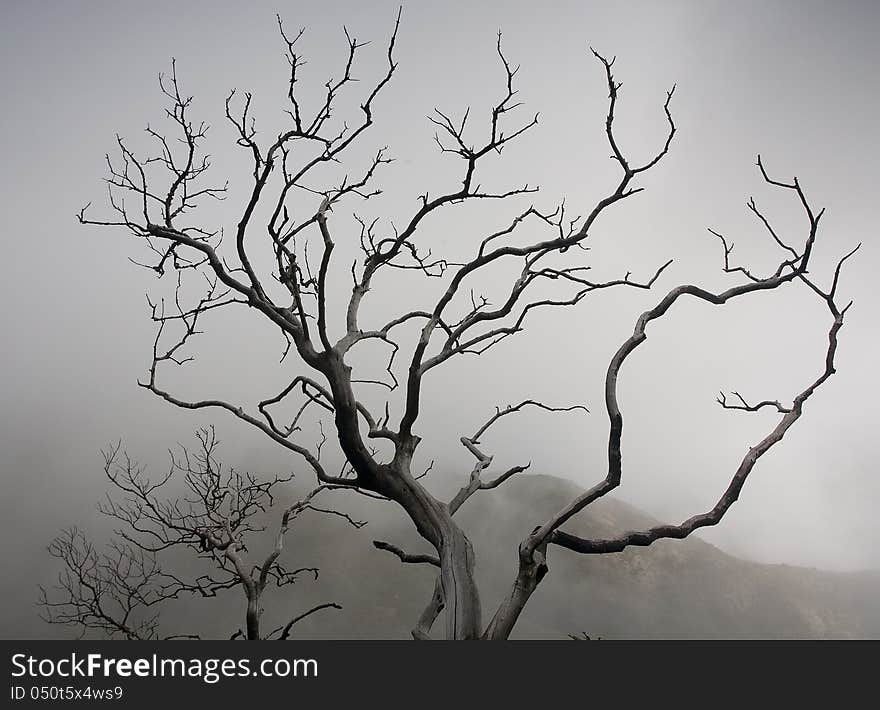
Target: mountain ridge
column 671, row 589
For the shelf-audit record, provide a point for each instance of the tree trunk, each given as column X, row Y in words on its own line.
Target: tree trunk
column 433, row 520
column 532, row 569
column 460, row 594
column 253, row 618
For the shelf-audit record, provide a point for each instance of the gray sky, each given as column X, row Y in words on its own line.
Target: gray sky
column 795, row 81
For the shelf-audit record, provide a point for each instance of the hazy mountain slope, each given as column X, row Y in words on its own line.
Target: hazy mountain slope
column 674, row 589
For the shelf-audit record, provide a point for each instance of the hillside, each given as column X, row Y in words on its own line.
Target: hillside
column 674, row 589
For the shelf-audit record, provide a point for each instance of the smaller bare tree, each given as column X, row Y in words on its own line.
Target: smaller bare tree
column 120, row 590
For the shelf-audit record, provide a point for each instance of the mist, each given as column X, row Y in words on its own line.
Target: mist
column 793, row 81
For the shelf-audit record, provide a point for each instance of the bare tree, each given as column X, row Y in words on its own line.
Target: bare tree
column 166, row 188
column 120, row 591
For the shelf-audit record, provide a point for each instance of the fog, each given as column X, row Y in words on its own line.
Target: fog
column 794, row 81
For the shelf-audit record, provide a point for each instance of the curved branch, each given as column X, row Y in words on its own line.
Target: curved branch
column 731, row 494
column 406, row 557
column 285, row 632
column 561, row 243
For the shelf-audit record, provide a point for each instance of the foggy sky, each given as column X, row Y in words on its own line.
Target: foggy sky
column 794, row 81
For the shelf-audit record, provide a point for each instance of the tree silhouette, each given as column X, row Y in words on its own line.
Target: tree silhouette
column 169, row 545
column 293, row 291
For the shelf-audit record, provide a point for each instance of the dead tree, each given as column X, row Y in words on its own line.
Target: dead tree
column 165, row 190
column 165, row 539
